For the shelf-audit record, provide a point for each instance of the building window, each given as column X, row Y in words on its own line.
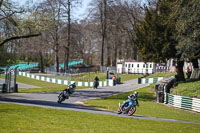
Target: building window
column 138, row 65
column 126, row 65
column 132, row 65
column 147, row 66
column 143, row 65
column 150, row 65
column 129, row 65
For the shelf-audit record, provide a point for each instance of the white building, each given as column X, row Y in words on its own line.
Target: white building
column 136, row 67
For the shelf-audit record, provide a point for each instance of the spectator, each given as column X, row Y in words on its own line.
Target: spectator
column 114, row 80
column 96, row 82
column 176, row 69
column 188, row 72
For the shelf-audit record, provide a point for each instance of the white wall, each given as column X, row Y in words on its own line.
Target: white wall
column 139, row 67
column 119, row 68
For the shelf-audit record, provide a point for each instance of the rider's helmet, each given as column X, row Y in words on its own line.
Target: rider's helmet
column 74, row 84
column 136, row 93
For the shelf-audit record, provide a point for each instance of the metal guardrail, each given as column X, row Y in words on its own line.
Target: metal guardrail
column 182, row 102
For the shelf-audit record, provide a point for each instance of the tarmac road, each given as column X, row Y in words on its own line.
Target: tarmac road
column 49, row 100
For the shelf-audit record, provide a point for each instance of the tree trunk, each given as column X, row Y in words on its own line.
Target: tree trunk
column 134, row 52
column 66, row 67
column 195, row 72
column 114, row 60
column 195, row 63
column 180, row 73
column 103, row 28
column 56, row 58
column 41, row 62
column 108, row 55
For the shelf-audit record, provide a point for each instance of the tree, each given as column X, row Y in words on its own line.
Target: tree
column 8, row 15
column 53, row 12
column 188, row 30
column 12, row 31
column 155, row 36
column 103, row 18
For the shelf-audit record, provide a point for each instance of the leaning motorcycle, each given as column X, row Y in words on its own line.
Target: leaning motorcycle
column 128, row 107
column 66, row 93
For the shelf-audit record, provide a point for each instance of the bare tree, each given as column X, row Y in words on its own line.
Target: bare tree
column 8, row 15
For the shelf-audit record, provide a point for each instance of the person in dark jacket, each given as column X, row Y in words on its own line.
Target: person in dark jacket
column 96, row 82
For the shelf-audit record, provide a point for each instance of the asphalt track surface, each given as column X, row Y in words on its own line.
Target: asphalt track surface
column 75, row 102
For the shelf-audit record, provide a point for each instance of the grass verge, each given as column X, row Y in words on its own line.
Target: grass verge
column 89, row 77
column 190, row 88
column 23, row 119
column 155, row 75
column 148, row 107
column 45, row 86
column 126, row 77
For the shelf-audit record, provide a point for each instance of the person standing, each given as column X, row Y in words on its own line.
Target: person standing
column 188, row 72
column 96, row 82
column 114, row 80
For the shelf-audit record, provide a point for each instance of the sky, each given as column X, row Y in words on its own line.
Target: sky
column 78, row 13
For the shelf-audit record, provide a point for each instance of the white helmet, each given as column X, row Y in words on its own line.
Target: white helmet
column 136, row 93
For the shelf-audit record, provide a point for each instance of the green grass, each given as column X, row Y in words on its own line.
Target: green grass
column 45, row 86
column 82, row 77
column 126, row 77
column 26, row 119
column 89, row 77
column 155, row 75
column 190, row 88
column 148, row 106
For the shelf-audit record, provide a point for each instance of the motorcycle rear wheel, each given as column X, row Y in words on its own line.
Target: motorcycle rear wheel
column 132, row 111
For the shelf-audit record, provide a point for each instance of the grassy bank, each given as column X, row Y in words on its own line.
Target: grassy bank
column 190, row 88
column 148, row 106
column 25, row 119
column 155, row 75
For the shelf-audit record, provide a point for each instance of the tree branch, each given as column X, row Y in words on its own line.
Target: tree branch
column 18, row 37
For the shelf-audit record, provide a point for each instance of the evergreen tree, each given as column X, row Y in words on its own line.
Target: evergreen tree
column 187, row 14
column 155, row 36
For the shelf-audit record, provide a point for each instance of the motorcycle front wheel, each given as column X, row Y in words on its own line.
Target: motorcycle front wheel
column 132, row 110
column 119, row 110
column 60, row 99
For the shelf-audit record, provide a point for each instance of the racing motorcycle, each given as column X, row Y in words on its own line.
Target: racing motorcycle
column 66, row 93
column 129, row 106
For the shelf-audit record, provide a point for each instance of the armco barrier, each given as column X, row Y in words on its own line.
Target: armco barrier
column 149, row 80
column 183, row 102
column 65, row 82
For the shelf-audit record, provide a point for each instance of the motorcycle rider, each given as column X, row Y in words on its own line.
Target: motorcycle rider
column 70, row 89
column 132, row 97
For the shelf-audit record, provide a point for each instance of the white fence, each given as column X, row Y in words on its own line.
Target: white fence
column 183, row 102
